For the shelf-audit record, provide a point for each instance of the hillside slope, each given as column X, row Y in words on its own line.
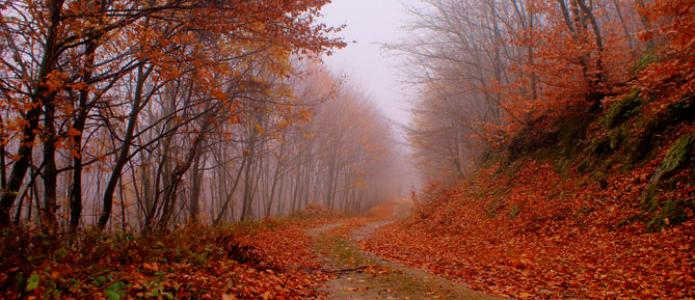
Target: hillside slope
column 612, row 217
column 585, row 203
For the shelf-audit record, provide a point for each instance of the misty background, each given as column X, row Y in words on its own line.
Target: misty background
column 379, row 72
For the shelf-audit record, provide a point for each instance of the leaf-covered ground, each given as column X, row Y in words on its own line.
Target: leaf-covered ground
column 312, row 255
column 362, row 275
column 537, row 233
column 268, row 260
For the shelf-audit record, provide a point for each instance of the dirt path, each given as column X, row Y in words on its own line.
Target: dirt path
column 362, row 275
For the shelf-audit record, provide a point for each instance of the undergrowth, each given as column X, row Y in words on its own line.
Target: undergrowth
column 269, row 259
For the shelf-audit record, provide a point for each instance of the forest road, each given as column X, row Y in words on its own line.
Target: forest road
column 363, row 275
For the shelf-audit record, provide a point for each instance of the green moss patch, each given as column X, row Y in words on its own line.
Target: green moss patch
column 681, row 153
column 622, row 110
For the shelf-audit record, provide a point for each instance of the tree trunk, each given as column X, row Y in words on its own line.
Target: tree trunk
column 79, row 125
column 251, row 152
column 50, row 172
column 169, row 195
column 124, row 152
column 230, row 195
column 196, row 187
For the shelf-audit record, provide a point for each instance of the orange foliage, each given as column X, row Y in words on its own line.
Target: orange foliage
column 672, row 77
column 569, row 64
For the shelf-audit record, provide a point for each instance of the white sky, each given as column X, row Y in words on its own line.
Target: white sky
column 370, row 24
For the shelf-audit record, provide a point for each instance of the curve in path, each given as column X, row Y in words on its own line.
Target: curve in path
column 363, row 275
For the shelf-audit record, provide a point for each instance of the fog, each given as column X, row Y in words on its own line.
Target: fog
column 378, row 72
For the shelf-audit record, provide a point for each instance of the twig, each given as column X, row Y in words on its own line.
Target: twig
column 348, row 270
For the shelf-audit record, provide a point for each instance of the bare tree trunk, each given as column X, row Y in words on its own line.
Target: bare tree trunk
column 271, row 197
column 196, row 187
column 124, row 152
column 589, row 14
column 169, row 194
column 295, row 192
column 247, row 199
column 628, row 35
column 50, row 172
column 230, row 195
column 79, row 125
column 121, row 195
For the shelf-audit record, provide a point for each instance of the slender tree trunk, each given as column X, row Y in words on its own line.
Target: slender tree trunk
column 589, row 14
column 230, row 195
column 79, row 126
column 626, row 30
column 169, row 195
column 247, row 200
column 50, row 172
column 276, row 178
column 121, row 195
column 196, row 188
column 124, row 152
column 3, row 163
